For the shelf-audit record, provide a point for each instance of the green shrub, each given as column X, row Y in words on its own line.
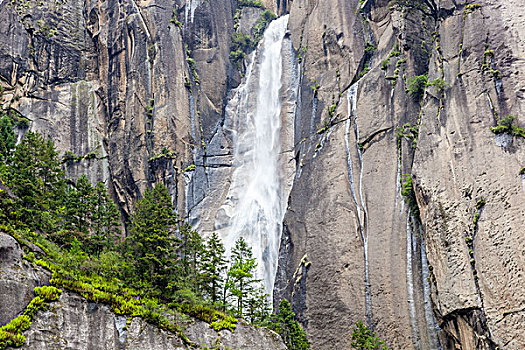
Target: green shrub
column 522, row 171
column 438, row 83
column 416, row 86
column 10, row 334
column 508, row 125
column 471, row 8
column 258, row 30
column 250, row 3
column 370, row 47
column 480, row 203
column 407, row 191
column 364, row 339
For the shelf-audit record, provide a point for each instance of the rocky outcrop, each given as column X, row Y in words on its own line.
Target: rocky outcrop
column 17, row 279
column 74, row 323
column 358, row 255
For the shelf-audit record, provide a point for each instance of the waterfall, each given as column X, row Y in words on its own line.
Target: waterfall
column 254, row 205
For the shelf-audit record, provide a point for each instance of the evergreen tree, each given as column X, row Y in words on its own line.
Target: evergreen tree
column 190, row 254
column 241, row 280
column 213, row 268
column 258, row 307
column 105, row 220
column 35, row 176
column 79, row 205
column 152, row 244
column 289, row 329
column 7, row 137
column 364, row 339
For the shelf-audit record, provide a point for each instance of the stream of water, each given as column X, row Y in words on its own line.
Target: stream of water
column 254, row 201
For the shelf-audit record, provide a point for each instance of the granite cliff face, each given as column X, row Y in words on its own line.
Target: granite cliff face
column 149, row 88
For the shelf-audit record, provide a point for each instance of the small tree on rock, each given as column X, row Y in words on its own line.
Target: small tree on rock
column 364, row 339
column 288, row 328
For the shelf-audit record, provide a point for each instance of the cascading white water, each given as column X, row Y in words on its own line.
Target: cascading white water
column 254, row 203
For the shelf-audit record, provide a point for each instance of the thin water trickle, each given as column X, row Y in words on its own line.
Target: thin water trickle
column 410, row 281
column 362, row 211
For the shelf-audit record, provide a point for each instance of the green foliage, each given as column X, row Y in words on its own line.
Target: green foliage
column 258, row 30
column 36, row 178
column 193, row 67
column 438, row 83
column 364, row 339
column 162, row 261
column 90, row 216
column 11, row 333
column 151, row 245
column 165, row 153
column 393, row 53
column 471, row 8
column 522, row 171
column 408, row 132
column 288, row 328
column 508, row 125
column 315, row 88
column 480, row 203
column 365, row 70
column 241, row 276
column 250, row 3
column 213, row 267
column 370, row 47
column 218, row 320
column 407, row 191
column 48, row 293
column 416, row 86
column 243, row 44
column 7, row 137
column 242, row 289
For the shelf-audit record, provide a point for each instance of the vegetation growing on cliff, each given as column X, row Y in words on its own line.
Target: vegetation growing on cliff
column 508, row 124
column 288, row 328
column 416, row 86
column 245, row 43
column 161, row 272
column 364, row 339
column 11, row 333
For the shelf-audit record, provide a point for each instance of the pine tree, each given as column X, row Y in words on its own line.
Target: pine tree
column 364, row 339
column 7, row 137
column 80, row 205
column 213, row 268
column 190, row 253
column 151, row 247
column 258, row 307
column 241, row 280
column 289, row 329
column 35, row 176
column 105, row 220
